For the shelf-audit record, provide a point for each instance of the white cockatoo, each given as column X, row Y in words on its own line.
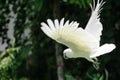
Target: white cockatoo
column 81, row 42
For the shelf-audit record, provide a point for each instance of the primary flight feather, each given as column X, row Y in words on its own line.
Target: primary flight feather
column 83, row 43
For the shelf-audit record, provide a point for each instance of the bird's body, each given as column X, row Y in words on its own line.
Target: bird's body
column 81, row 42
column 86, row 43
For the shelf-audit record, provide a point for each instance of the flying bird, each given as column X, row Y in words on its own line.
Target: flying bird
column 81, row 42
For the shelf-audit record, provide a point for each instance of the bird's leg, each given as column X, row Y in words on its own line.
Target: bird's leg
column 96, row 64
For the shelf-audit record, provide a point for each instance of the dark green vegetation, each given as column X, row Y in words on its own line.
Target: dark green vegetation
column 33, row 57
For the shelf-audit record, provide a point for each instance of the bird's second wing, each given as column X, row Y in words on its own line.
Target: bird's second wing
column 94, row 25
column 70, row 35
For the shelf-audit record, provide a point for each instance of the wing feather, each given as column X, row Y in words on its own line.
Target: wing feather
column 94, row 25
column 51, row 25
column 46, row 29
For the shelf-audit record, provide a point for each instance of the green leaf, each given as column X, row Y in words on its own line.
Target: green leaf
column 38, row 5
column 69, row 77
column 101, row 77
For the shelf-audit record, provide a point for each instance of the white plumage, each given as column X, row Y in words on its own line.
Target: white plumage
column 81, row 42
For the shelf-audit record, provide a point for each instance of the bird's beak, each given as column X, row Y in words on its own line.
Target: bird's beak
column 65, row 56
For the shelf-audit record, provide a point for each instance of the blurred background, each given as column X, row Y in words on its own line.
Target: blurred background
column 26, row 53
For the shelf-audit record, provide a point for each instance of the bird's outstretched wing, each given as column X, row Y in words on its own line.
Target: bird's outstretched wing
column 94, row 25
column 70, row 35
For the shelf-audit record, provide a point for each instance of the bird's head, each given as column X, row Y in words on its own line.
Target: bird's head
column 67, row 53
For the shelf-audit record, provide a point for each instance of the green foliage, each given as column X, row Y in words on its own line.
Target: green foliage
column 69, row 77
column 7, row 63
column 80, row 3
column 38, row 4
